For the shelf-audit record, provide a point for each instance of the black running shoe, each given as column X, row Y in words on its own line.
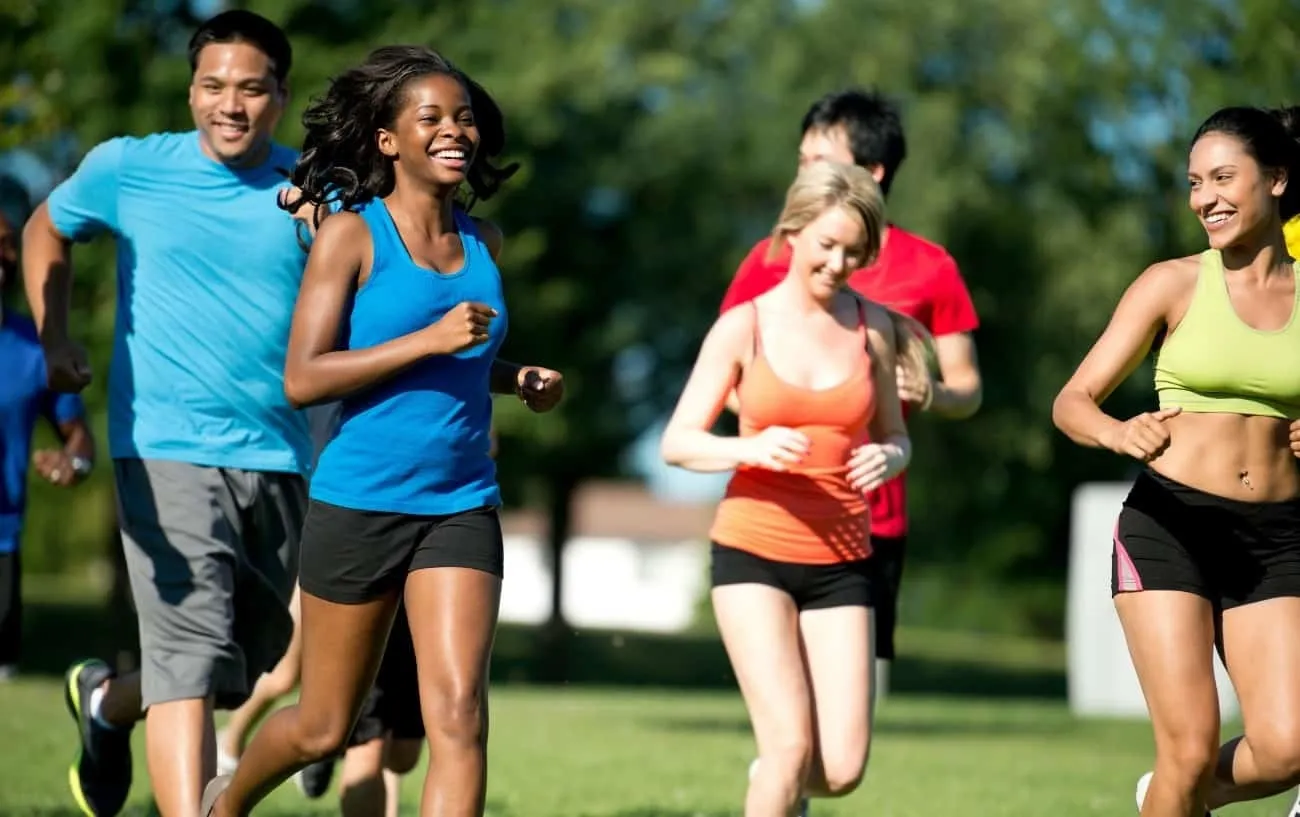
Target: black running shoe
column 100, row 778
column 314, row 780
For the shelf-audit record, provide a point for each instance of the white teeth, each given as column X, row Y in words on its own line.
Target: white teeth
column 449, row 154
column 1218, row 218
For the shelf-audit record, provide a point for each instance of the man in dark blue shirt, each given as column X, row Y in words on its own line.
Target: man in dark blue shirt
column 25, row 397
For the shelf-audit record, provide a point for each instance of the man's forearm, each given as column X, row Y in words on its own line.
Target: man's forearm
column 955, row 404
column 504, row 378
column 47, row 276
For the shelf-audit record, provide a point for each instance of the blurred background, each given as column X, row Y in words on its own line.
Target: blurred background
column 1046, row 151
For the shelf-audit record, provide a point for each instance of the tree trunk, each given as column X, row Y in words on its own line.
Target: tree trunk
column 558, row 636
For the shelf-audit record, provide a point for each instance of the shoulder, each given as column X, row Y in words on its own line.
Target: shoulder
column 342, row 231
column 490, row 234
column 921, row 254
column 1166, row 280
column 733, row 330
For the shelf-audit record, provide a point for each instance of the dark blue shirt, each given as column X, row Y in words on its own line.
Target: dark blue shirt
column 23, row 397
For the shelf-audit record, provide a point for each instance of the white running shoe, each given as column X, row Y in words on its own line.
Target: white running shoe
column 1144, row 782
column 1295, row 807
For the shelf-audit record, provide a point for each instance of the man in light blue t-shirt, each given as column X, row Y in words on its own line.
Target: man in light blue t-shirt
column 209, row 458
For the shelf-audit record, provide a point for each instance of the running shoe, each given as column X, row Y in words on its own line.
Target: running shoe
column 1143, row 783
column 314, row 780
column 100, row 778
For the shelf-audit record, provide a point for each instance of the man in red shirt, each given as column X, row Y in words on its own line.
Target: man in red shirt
column 911, row 275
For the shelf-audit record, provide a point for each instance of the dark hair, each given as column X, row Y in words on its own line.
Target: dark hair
column 1271, row 137
column 239, row 26
column 872, row 124
column 340, row 161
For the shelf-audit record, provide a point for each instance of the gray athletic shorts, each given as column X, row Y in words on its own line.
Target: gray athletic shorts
column 212, row 555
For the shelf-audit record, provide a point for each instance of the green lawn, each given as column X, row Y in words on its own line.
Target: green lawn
column 593, row 752
column 652, row 727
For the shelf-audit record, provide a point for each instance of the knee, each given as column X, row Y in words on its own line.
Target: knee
column 843, row 777
column 1187, row 756
column 402, row 755
column 319, row 735
column 457, row 717
column 787, row 761
column 1277, row 753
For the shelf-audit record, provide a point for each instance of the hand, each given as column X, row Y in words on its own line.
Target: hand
column 1295, row 437
column 55, row 466
column 540, row 389
column 464, row 326
column 1144, row 437
column 917, row 393
column 776, row 448
column 66, row 367
column 872, row 465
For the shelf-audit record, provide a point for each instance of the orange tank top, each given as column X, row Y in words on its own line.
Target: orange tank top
column 809, row 514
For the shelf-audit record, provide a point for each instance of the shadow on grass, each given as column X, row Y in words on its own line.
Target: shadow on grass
column 57, row 633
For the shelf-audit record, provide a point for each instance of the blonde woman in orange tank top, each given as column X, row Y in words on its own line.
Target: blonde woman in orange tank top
column 813, row 367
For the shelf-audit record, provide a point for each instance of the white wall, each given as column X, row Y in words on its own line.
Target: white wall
column 1101, row 676
column 609, row 583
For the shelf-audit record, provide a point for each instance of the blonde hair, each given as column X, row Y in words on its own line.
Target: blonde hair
column 825, row 184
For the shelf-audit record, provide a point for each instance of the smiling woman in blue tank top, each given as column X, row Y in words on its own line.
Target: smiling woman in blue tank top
column 1207, row 546
column 400, row 318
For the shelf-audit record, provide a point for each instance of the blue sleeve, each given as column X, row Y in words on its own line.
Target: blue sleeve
column 85, row 203
column 60, row 408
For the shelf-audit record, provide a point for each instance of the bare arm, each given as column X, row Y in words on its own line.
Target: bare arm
column 887, row 425
column 315, row 372
column 47, row 275
column 959, row 393
column 688, row 441
column 504, row 377
column 1141, row 313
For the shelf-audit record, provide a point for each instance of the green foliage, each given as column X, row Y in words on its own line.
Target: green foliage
column 657, row 141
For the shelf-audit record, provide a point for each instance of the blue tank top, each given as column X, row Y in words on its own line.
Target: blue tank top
column 417, row 443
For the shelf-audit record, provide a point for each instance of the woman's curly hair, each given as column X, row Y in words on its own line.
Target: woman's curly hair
column 341, row 165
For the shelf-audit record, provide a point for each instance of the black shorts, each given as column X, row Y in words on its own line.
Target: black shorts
column 885, row 567
column 392, row 707
column 351, row 556
column 1173, row 537
column 813, row 587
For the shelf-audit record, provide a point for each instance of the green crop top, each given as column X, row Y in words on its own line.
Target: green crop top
column 1215, row 362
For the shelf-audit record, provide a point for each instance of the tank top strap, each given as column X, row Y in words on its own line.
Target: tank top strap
column 384, row 238
column 470, row 240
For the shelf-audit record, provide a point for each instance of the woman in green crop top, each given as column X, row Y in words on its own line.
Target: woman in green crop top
column 1208, row 541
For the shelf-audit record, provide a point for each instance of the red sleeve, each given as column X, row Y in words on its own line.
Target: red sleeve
column 954, row 311
column 751, row 279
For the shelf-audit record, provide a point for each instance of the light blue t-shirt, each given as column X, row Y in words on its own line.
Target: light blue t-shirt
column 208, row 268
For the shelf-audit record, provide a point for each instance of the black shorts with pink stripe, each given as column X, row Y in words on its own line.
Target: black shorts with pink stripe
column 1173, row 537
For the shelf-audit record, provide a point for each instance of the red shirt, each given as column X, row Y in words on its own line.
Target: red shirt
column 912, row 275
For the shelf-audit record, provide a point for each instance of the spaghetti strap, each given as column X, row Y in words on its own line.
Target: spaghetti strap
column 862, row 318
column 757, row 339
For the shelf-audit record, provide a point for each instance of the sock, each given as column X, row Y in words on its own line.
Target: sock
column 96, row 708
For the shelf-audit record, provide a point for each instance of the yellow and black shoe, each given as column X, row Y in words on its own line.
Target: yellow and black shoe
column 100, row 778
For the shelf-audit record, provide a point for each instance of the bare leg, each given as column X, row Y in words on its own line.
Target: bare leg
column 1170, row 637
column 453, row 615
column 180, row 750
column 342, row 645
column 1262, row 654
column 838, row 645
column 362, row 792
column 760, row 629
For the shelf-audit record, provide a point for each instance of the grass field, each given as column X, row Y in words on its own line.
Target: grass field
column 978, row 727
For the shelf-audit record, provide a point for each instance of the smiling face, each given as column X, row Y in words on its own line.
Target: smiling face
column 236, row 102
column 433, row 138
column 1234, row 197
column 828, row 250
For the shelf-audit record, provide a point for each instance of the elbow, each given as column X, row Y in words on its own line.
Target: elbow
column 295, row 389
column 669, row 449
column 1062, row 411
